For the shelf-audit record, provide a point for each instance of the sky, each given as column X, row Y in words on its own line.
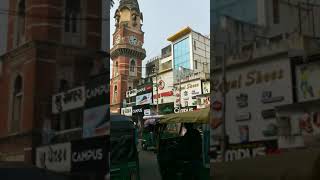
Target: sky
column 163, row 18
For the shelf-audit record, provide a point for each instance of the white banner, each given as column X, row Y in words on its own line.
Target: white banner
column 188, row 92
column 55, row 157
column 72, row 99
column 144, row 99
column 126, row 111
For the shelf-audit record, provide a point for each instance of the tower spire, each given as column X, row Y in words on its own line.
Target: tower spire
column 131, row 4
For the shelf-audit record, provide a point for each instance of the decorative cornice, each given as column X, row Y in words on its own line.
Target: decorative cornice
column 127, row 50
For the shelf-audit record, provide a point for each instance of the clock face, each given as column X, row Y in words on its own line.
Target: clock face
column 117, row 39
column 133, row 40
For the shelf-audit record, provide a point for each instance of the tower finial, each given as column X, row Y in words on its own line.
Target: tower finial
column 131, row 4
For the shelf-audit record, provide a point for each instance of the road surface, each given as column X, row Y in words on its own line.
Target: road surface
column 148, row 165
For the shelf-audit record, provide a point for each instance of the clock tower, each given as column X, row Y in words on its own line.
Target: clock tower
column 127, row 52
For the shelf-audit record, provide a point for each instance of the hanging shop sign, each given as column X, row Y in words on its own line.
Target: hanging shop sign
column 243, row 116
column 188, row 93
column 144, row 99
column 97, row 92
column 72, row 99
column 248, row 150
column 131, row 93
column 144, row 90
column 307, row 78
column 89, row 155
column 203, row 102
column 206, row 87
column 167, row 108
column 54, row 157
column 242, row 100
column 95, row 121
column 187, row 109
column 268, row 98
column 126, row 111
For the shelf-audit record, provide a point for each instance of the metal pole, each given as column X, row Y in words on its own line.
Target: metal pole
column 157, row 91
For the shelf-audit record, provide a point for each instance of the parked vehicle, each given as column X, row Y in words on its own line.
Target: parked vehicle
column 170, row 134
column 124, row 154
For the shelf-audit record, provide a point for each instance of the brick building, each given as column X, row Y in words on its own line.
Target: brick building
column 51, row 46
column 127, row 52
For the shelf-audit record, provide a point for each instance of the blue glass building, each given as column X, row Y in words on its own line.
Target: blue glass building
column 181, row 54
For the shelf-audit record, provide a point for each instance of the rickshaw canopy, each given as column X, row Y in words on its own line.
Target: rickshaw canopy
column 200, row 116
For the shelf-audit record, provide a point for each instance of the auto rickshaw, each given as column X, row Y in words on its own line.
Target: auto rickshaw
column 124, row 154
column 170, row 133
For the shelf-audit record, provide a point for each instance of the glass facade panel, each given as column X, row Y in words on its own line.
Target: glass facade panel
column 181, row 54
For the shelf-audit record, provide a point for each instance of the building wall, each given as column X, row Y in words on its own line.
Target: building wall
column 201, row 52
column 3, row 26
column 51, row 26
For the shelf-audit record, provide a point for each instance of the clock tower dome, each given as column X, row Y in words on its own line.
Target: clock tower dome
column 127, row 52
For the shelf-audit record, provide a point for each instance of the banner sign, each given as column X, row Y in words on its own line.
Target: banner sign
column 95, row 121
column 89, row 155
column 144, row 99
column 97, row 92
column 126, row 111
column 188, row 93
column 55, row 157
column 308, row 86
column 72, row 99
column 248, row 150
column 145, row 89
column 131, row 93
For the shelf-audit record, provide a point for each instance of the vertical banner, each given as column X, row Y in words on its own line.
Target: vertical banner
column 97, row 109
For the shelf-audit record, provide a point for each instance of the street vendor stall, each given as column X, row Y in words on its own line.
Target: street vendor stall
column 295, row 165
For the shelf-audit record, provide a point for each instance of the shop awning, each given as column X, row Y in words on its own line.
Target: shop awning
column 198, row 116
column 297, row 165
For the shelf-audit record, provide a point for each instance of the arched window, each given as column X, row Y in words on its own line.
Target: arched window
column 21, row 26
column 16, row 105
column 132, row 65
column 116, row 65
column 115, row 94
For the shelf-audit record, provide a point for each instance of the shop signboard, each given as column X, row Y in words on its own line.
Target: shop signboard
column 95, row 121
column 247, row 150
column 307, row 78
column 69, row 100
column 145, row 89
column 143, row 110
column 97, row 92
column 203, row 102
column 188, row 93
column 144, row 99
column 251, row 90
column 131, row 93
column 55, row 157
column 126, row 111
column 165, row 93
column 86, row 155
column 167, row 108
column 186, row 109
column 206, row 87
column 90, row 155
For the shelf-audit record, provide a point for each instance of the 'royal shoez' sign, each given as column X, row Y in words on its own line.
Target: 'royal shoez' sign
column 252, row 89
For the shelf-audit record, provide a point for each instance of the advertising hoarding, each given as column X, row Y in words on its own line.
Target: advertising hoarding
column 144, row 99
column 251, row 90
column 308, row 86
column 126, row 111
column 188, row 93
column 72, row 99
column 95, row 121
column 165, row 88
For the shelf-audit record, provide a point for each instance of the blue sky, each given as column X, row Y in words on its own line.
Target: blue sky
column 163, row 18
